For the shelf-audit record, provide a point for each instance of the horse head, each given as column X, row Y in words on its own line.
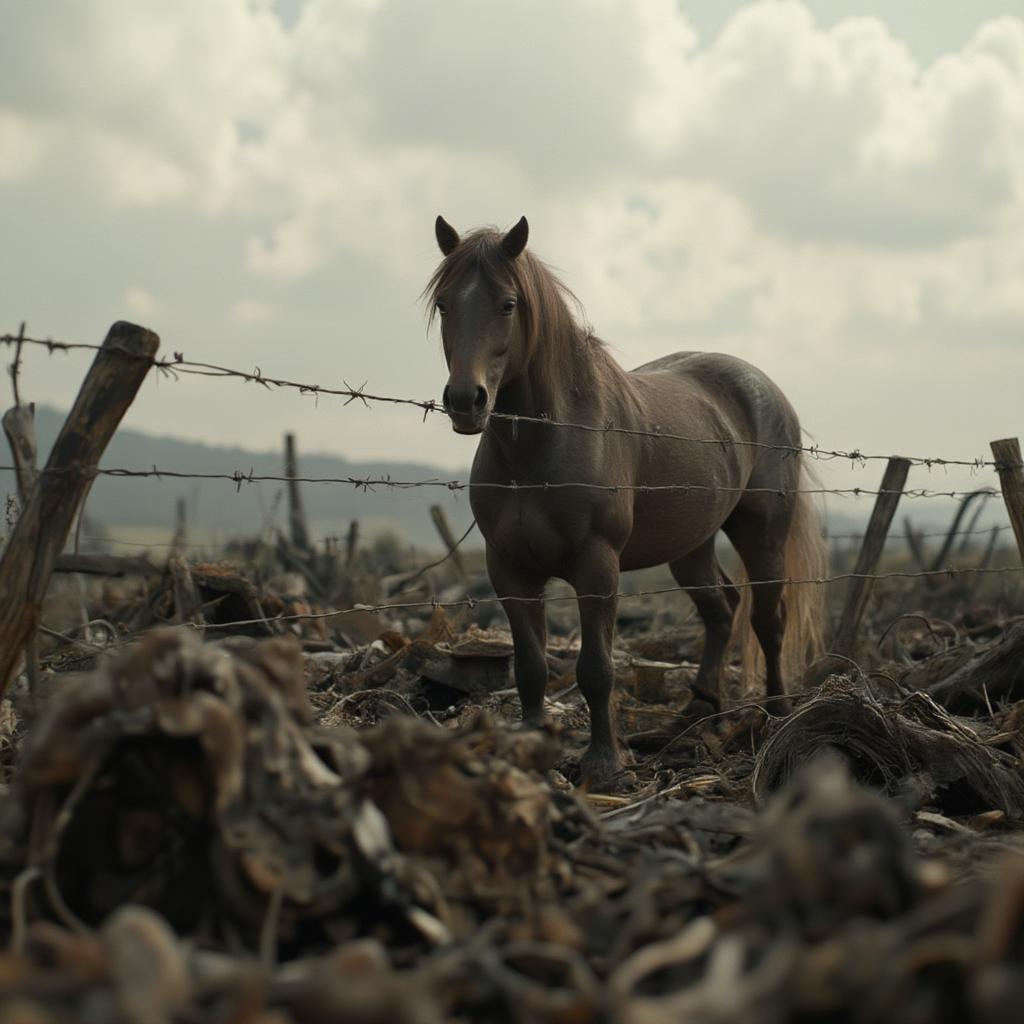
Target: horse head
column 477, row 292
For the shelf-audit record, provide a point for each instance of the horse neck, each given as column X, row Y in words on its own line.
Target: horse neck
column 575, row 386
column 561, row 379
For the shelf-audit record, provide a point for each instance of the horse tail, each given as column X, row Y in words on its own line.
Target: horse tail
column 805, row 558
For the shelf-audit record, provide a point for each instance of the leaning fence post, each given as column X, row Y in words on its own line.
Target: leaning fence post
column 1011, row 479
column 42, row 529
column 857, row 596
column 441, row 524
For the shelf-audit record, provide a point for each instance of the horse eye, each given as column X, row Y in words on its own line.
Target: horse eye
column 508, row 306
column 441, row 308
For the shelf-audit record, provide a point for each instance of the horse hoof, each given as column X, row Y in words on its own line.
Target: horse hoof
column 598, row 768
column 699, row 709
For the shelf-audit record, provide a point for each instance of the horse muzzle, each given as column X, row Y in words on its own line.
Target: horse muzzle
column 467, row 408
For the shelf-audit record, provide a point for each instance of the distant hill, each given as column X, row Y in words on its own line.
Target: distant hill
column 217, row 510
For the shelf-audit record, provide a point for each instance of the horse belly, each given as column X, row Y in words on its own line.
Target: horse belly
column 666, row 527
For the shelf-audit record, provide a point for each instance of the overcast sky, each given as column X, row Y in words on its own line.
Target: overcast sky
column 834, row 191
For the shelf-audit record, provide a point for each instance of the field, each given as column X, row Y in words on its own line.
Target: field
column 263, row 813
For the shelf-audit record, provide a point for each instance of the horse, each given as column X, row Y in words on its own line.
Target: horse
column 656, row 461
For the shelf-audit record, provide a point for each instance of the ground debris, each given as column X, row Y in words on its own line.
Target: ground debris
column 287, row 824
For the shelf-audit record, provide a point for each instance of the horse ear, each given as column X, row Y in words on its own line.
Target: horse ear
column 447, row 237
column 515, row 241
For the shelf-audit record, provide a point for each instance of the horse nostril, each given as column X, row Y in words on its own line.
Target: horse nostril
column 480, row 399
column 446, row 397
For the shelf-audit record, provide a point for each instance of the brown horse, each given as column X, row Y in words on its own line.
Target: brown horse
column 514, row 348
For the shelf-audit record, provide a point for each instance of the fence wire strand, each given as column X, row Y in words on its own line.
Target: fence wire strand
column 180, row 365
column 471, row 603
column 239, row 477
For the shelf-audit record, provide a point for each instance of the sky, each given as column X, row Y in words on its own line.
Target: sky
column 833, row 191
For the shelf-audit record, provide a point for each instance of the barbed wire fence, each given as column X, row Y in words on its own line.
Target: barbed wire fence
column 1008, row 469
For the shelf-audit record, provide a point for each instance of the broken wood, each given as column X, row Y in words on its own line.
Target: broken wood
column 995, row 674
column 178, row 541
column 1011, row 479
column 351, row 541
column 440, row 521
column 296, row 513
column 187, row 602
column 20, row 428
column 890, row 491
column 42, row 529
column 106, row 565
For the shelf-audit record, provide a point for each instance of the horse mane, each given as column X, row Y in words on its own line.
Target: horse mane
column 558, row 343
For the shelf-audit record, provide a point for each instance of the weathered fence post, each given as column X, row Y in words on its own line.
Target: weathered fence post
column 441, row 522
column 180, row 538
column 1011, row 479
column 42, row 529
column 19, row 425
column 890, row 491
column 351, row 541
column 296, row 515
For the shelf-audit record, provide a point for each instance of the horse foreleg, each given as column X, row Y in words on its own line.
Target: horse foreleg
column 597, row 577
column 522, row 599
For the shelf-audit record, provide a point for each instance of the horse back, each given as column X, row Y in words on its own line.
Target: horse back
column 738, row 392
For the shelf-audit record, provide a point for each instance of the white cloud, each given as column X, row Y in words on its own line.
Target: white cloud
column 250, row 311
column 21, row 147
column 140, row 302
column 838, row 135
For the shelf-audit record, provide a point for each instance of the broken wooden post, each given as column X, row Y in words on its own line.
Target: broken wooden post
column 441, row 522
column 187, row 602
column 20, row 428
column 351, row 541
column 296, row 515
column 1011, row 479
column 844, row 639
column 111, row 384
column 178, row 541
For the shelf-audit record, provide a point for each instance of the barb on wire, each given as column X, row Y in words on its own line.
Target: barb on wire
column 178, row 364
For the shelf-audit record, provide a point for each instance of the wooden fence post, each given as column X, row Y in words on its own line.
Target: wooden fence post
column 441, row 522
column 296, row 515
column 42, row 529
column 845, row 637
column 1011, row 479
column 178, row 541
column 351, row 541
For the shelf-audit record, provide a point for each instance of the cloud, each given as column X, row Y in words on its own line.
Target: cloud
column 140, row 302
column 250, row 311
column 22, row 144
column 838, row 135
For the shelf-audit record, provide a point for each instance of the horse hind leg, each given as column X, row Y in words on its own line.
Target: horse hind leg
column 758, row 532
column 716, row 600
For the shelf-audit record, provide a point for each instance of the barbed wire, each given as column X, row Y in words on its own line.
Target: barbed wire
column 224, row 546
column 238, row 478
column 981, row 531
column 471, row 602
column 179, row 365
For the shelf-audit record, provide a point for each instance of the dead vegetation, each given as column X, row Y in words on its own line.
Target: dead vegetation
column 337, row 820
